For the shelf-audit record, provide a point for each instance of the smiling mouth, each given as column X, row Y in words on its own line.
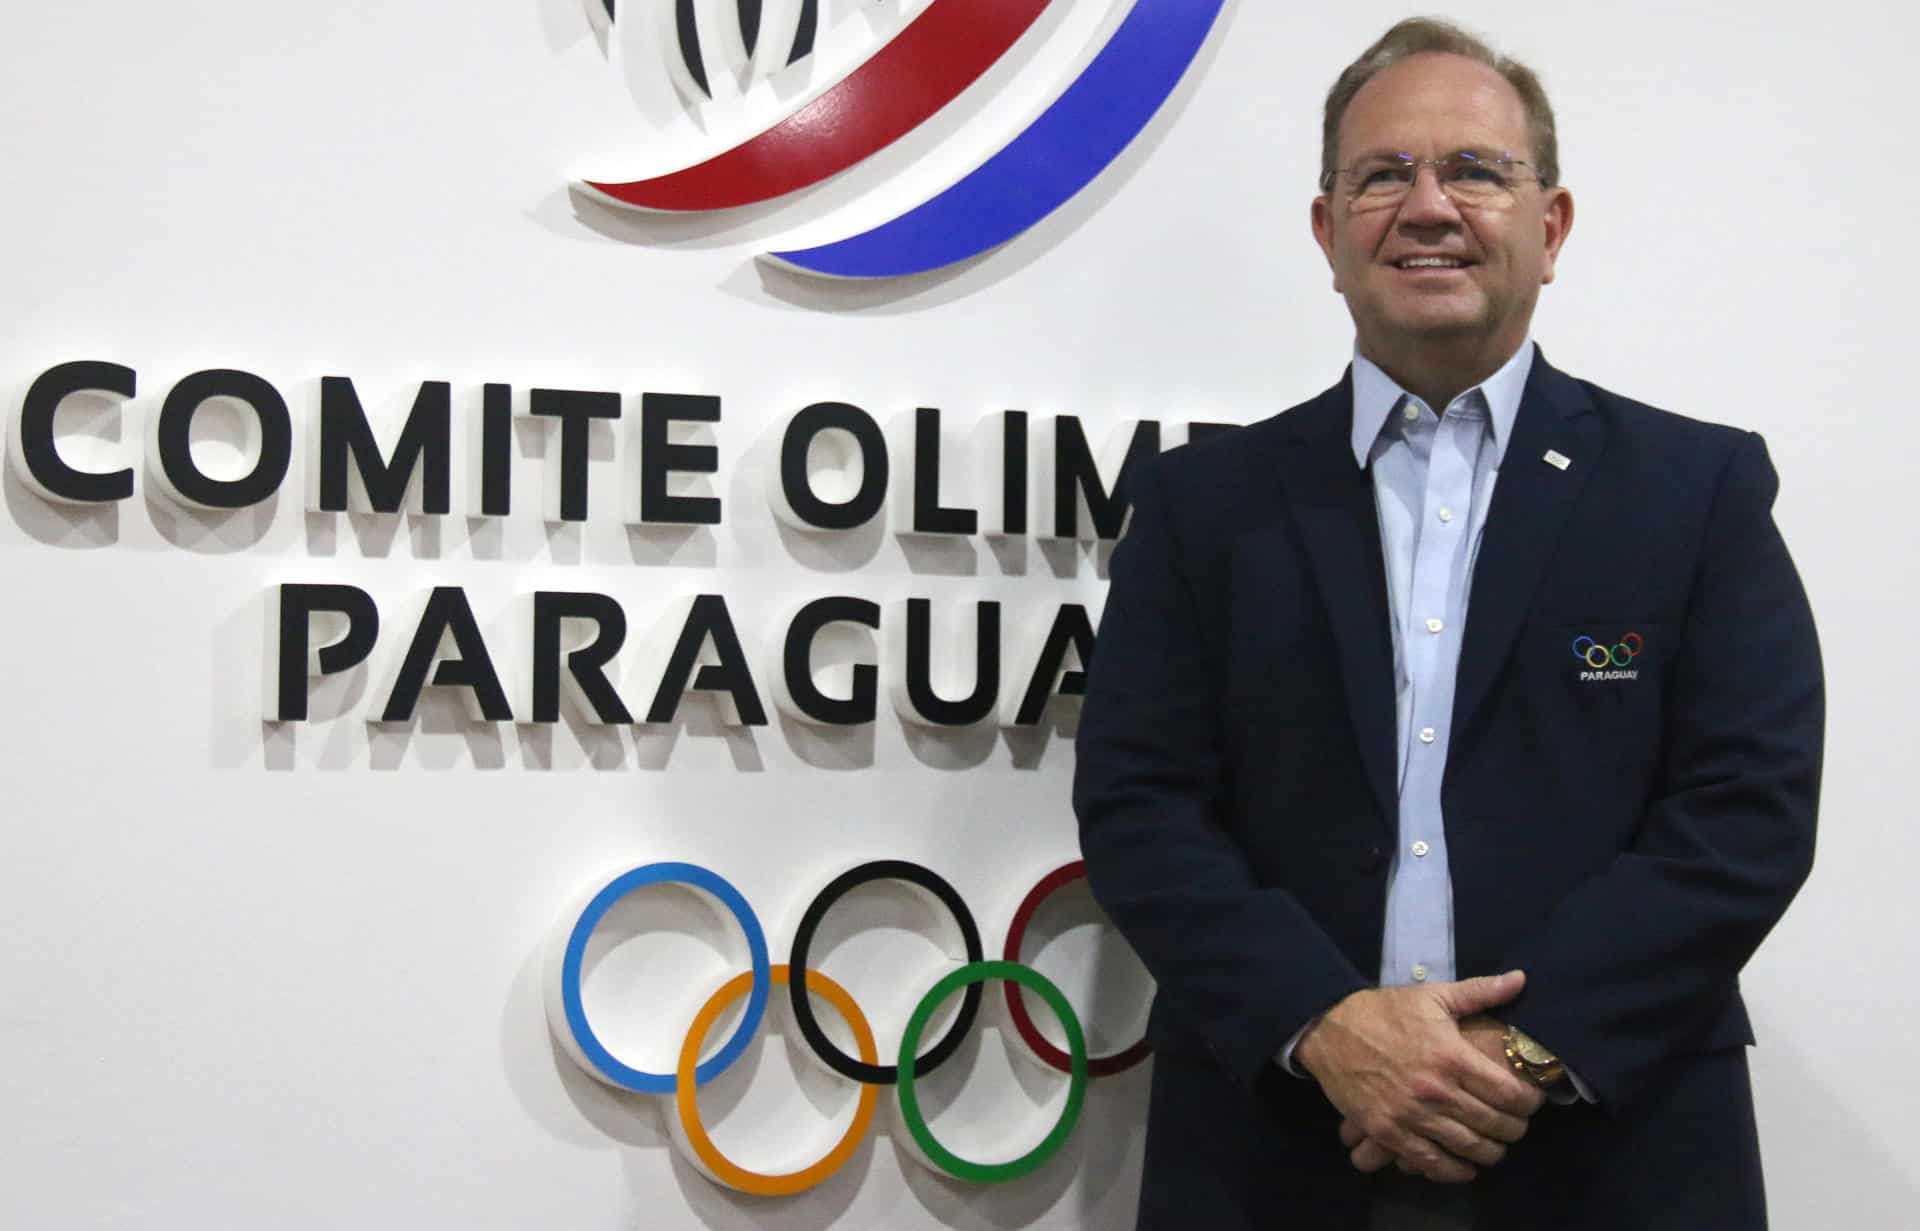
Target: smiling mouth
column 1431, row 262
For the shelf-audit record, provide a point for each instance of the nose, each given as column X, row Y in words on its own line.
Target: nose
column 1427, row 203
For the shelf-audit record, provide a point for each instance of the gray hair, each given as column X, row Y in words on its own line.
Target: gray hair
column 1416, row 36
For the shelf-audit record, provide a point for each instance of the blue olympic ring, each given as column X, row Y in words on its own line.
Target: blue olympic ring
column 696, row 877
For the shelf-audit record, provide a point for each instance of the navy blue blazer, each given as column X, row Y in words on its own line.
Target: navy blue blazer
column 1625, row 835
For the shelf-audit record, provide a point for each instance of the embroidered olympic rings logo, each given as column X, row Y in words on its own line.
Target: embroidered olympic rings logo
column 568, row 1016
column 1599, row 656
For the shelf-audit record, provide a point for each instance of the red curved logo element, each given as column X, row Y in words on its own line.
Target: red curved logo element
column 925, row 67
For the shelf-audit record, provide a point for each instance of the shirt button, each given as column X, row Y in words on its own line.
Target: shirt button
column 1446, row 514
column 1435, row 624
column 1419, row 974
column 1427, row 735
column 1420, row 850
column 1410, row 412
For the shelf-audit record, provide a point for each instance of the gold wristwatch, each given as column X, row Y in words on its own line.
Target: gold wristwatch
column 1532, row 1061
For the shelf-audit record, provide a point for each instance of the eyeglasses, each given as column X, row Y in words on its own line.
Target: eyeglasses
column 1473, row 180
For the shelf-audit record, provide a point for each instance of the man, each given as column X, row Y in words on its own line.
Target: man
column 1453, row 738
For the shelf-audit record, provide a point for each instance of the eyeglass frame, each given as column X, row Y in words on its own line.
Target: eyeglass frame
column 1439, row 165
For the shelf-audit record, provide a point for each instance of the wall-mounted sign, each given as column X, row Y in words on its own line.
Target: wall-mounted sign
column 921, row 70
column 1026, row 475
column 799, row 983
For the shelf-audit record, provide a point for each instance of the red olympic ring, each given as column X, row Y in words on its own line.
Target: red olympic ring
column 1097, row 1066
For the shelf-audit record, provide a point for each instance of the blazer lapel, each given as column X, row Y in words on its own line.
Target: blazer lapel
column 1332, row 504
column 1531, row 501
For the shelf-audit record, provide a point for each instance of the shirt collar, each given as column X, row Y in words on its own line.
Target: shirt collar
column 1375, row 395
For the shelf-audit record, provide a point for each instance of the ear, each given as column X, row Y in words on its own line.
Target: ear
column 1557, row 220
column 1322, row 216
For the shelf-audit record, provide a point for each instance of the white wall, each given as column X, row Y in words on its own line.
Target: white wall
column 291, row 973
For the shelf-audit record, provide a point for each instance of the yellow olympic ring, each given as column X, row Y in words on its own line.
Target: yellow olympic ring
column 1601, row 650
column 686, row 1099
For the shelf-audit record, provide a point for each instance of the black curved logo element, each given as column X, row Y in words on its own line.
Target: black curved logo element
column 686, row 31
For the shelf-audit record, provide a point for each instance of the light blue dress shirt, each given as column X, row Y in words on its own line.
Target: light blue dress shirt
column 1433, row 476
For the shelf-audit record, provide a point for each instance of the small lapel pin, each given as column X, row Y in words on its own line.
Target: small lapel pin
column 1558, row 460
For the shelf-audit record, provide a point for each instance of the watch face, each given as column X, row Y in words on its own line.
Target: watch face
column 1530, row 1051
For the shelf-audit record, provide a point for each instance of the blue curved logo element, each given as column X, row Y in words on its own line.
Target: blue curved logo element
column 1043, row 168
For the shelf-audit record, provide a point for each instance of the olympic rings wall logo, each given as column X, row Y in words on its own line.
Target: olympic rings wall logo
column 568, row 1018
column 914, row 75
column 1600, row 656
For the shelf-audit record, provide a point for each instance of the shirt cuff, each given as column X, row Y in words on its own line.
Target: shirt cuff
column 1581, row 1092
column 1285, row 1056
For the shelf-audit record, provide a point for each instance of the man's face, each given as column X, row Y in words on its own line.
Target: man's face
column 1480, row 301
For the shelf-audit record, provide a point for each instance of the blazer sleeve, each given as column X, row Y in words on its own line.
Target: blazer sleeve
column 1239, row 965
column 1639, row 961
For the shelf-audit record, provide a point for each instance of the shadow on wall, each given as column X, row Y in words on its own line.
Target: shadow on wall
column 75, row 527
column 1824, row 1166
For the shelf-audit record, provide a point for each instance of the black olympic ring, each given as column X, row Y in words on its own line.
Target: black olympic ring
column 867, row 873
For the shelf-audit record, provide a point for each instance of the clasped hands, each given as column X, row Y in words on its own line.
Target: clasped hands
column 1420, row 1075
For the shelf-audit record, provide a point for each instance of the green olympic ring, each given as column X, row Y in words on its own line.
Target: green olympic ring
column 947, row 1160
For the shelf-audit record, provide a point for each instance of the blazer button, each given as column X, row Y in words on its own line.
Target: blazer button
column 1376, row 858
